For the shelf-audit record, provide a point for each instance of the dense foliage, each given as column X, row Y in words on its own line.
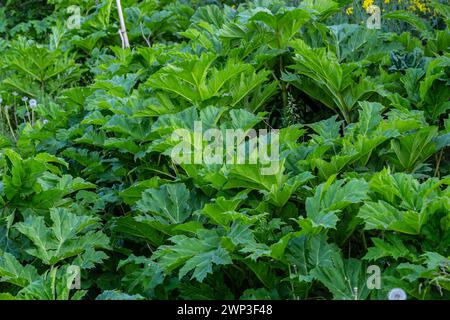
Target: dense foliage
column 86, row 134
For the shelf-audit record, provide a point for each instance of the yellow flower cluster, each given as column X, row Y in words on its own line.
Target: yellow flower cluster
column 420, row 6
column 367, row 4
column 414, row 5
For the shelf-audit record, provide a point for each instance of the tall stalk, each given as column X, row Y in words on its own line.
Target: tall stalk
column 123, row 30
column 9, row 122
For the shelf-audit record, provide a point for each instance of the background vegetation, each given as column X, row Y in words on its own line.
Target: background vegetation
column 85, row 138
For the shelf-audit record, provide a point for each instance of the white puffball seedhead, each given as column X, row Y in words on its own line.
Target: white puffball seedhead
column 397, row 294
column 33, row 103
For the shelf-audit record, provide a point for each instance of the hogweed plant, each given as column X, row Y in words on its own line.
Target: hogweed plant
column 266, row 149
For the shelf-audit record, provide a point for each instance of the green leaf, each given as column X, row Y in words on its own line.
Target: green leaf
column 393, row 247
column 414, row 149
column 134, row 193
column 130, row 226
column 13, row 272
column 381, row 215
column 330, row 198
column 170, row 204
column 305, row 253
column 118, row 295
column 53, row 285
column 405, row 205
column 284, row 24
column 70, row 235
column 345, row 278
column 222, row 211
column 193, row 254
column 410, row 18
column 144, row 275
column 277, row 188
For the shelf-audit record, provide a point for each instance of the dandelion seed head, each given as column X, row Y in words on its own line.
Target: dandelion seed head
column 397, row 294
column 33, row 103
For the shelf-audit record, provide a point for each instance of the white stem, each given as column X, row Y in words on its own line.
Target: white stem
column 121, row 39
column 123, row 29
column 147, row 40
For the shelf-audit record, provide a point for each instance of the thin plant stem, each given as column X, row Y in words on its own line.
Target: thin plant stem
column 28, row 112
column 438, row 164
column 9, row 124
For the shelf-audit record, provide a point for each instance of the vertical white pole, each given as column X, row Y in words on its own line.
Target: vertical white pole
column 123, row 30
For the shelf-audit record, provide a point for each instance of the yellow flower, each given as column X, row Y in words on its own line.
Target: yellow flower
column 349, row 11
column 387, row 1
column 421, row 6
column 367, row 4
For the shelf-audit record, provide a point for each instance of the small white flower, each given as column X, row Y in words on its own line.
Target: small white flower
column 33, row 103
column 6, row 108
column 15, row 94
column 1, row 100
column 24, row 99
column 45, row 121
column 397, row 294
